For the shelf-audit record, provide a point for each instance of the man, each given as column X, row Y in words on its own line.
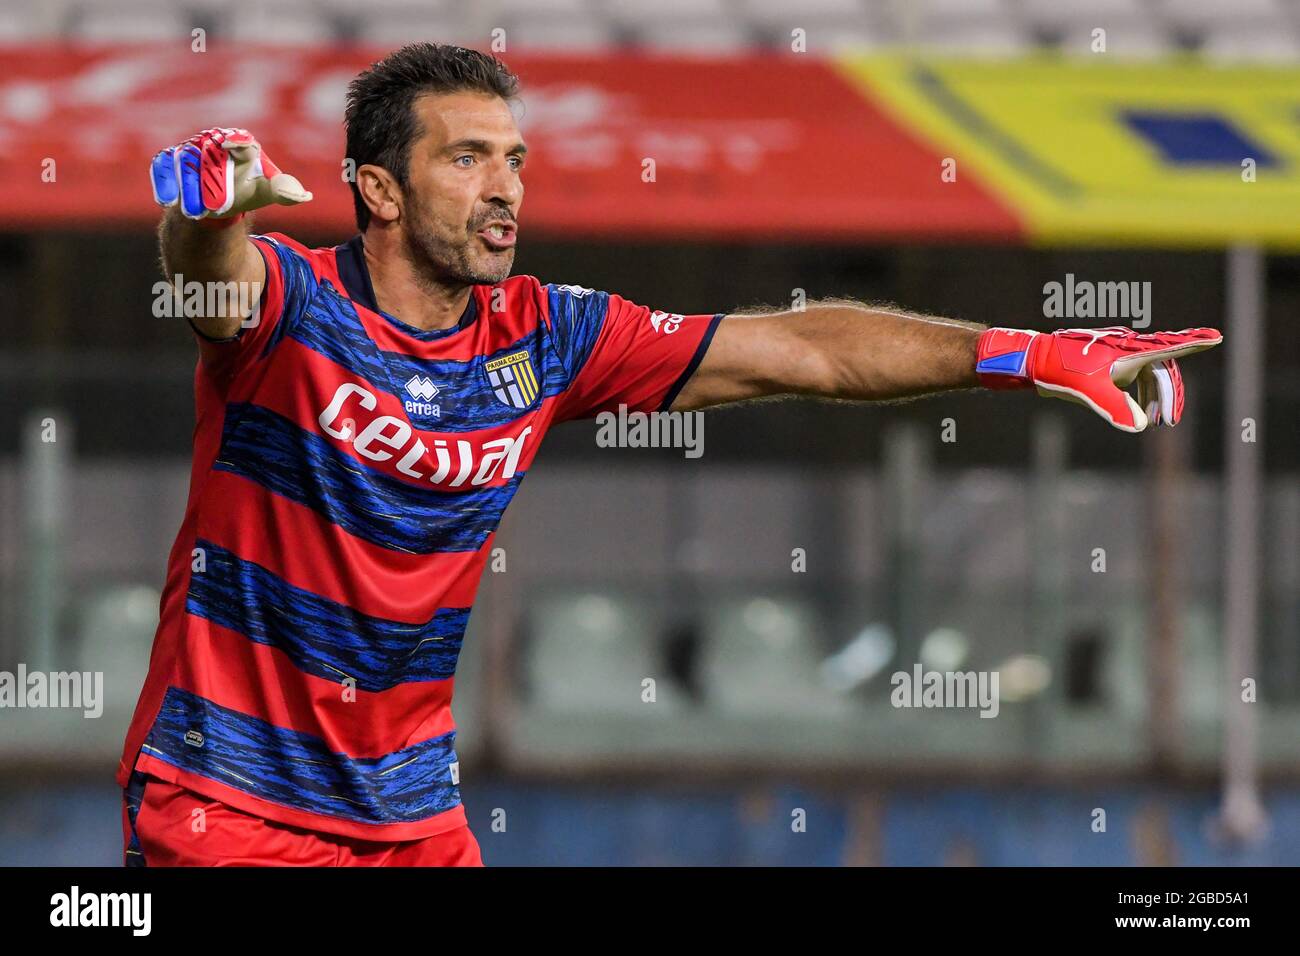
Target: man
column 362, row 429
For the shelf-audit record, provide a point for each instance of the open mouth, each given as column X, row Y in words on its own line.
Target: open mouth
column 498, row 235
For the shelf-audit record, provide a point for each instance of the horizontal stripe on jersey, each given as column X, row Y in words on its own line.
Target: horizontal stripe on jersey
column 323, row 637
column 397, row 584
column 297, row 769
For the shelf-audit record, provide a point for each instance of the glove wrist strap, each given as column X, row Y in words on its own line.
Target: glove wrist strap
column 1002, row 359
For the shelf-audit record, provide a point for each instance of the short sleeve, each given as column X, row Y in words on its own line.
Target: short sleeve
column 619, row 353
column 290, row 284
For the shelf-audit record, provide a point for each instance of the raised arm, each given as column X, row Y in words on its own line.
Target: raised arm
column 206, row 185
column 845, row 350
column 199, row 251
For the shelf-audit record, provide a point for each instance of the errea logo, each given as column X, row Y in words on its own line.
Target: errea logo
column 422, row 390
column 421, row 386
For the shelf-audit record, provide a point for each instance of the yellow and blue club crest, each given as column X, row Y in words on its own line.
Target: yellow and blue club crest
column 513, row 379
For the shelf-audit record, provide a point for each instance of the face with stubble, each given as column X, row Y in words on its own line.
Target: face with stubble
column 464, row 189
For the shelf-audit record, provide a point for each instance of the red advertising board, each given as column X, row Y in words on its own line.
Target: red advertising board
column 747, row 147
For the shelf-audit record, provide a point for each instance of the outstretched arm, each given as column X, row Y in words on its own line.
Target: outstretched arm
column 205, row 186
column 833, row 349
column 203, row 253
column 840, row 349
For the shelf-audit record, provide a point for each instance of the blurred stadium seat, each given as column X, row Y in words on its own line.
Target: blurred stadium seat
column 289, row 22
column 590, row 652
column 394, row 23
column 130, row 21
column 1263, row 30
column 560, row 25
column 114, row 636
column 1262, row 41
column 762, row 656
column 32, row 21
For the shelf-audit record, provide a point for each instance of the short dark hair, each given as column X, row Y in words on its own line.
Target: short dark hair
column 380, row 117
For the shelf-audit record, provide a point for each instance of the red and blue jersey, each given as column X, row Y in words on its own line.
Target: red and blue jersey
column 349, row 475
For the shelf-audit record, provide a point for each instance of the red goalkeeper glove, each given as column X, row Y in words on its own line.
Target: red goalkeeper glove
column 221, row 174
column 1092, row 367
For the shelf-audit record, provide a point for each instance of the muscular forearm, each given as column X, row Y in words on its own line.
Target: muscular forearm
column 833, row 349
column 198, row 249
column 844, row 350
column 870, row 354
column 206, row 253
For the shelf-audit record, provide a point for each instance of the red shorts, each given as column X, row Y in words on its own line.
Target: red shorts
column 158, row 829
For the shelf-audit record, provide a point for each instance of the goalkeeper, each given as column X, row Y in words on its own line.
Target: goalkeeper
column 360, row 434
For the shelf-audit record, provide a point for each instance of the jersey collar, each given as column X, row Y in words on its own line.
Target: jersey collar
column 351, row 260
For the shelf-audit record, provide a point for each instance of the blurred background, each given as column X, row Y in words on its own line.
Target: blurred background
column 950, row 156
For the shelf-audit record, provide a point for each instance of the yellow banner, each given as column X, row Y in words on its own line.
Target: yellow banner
column 1100, row 152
